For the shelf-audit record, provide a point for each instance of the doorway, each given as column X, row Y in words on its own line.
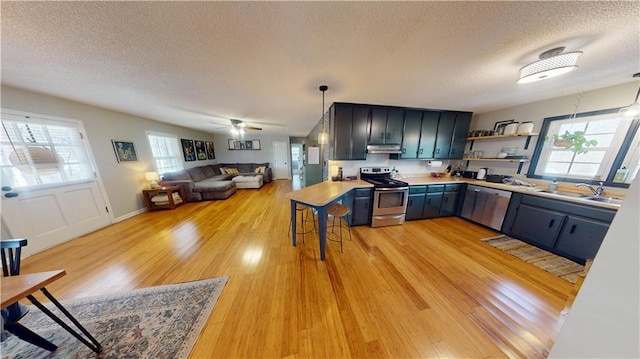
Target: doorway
column 281, row 167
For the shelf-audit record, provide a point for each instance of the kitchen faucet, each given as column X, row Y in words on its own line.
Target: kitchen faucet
column 596, row 192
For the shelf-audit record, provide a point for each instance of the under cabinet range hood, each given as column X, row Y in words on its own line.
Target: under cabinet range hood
column 383, row 148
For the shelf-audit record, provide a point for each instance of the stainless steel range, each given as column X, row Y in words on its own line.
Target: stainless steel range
column 390, row 196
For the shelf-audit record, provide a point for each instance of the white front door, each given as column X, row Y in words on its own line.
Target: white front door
column 50, row 189
column 281, row 160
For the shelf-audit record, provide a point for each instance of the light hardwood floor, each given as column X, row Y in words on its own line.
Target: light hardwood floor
column 427, row 288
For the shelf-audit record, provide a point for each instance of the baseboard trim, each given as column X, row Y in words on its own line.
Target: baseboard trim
column 129, row 215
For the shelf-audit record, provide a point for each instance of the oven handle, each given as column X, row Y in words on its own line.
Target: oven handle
column 392, row 189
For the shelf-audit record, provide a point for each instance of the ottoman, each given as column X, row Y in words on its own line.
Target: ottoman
column 248, row 181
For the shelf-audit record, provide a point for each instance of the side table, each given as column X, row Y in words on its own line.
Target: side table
column 148, row 195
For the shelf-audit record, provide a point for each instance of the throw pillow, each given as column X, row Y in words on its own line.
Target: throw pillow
column 223, row 170
column 232, row 171
column 260, row 169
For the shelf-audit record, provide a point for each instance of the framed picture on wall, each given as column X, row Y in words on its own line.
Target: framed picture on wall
column 201, row 153
column 188, row 150
column 244, row 144
column 211, row 154
column 125, row 151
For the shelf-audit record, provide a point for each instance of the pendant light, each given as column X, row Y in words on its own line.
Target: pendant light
column 634, row 109
column 552, row 63
column 323, row 136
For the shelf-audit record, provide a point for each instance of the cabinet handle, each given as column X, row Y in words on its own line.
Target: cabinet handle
column 551, row 223
column 446, row 199
column 437, row 151
column 382, row 135
column 388, row 136
column 429, row 201
column 404, row 151
column 573, row 229
column 420, row 152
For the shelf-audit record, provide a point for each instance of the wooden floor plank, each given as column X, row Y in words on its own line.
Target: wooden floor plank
column 428, row 288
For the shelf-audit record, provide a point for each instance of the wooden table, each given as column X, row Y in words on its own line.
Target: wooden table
column 22, row 286
column 319, row 197
column 148, row 194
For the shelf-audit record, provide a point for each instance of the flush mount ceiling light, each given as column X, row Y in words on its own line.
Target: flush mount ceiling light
column 634, row 109
column 323, row 137
column 552, row 63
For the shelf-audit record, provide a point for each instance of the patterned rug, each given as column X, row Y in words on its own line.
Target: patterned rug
column 156, row 322
column 561, row 267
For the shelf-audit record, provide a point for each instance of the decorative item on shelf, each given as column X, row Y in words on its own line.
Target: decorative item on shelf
column 499, row 127
column 152, row 178
column 525, row 128
column 243, row 144
column 574, row 141
column 323, row 136
column 551, row 63
column 511, row 129
column 634, row 109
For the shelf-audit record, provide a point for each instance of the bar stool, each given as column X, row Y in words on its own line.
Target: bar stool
column 342, row 212
column 302, row 209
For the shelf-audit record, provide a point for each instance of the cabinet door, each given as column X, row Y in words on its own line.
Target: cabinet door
column 444, row 135
column 395, row 121
column 359, row 128
column 342, row 115
column 428, row 134
column 460, row 132
column 432, row 205
column 581, row 237
column 411, row 134
column 414, row 206
column 378, row 126
column 361, row 211
column 537, row 226
column 449, row 203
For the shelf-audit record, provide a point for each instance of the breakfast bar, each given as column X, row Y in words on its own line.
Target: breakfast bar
column 319, row 197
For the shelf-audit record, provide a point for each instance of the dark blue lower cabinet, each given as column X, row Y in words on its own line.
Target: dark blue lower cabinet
column 361, row 210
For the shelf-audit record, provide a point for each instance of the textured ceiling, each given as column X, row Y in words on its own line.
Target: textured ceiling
column 194, row 63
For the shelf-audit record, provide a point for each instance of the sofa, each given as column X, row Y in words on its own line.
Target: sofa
column 211, row 182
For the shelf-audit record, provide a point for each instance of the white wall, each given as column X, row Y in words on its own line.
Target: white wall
column 122, row 182
column 604, row 321
column 601, row 99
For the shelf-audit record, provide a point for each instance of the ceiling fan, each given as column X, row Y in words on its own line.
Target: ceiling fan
column 240, row 127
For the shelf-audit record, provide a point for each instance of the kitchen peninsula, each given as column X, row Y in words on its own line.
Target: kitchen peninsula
column 319, row 197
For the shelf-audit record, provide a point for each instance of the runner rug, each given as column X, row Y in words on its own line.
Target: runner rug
column 155, row 322
column 561, row 267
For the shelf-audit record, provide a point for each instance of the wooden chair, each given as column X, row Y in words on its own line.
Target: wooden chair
column 11, row 253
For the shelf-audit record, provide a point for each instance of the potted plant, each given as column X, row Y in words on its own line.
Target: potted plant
column 574, row 141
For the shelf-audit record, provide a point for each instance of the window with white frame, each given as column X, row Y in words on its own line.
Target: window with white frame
column 37, row 152
column 166, row 152
column 607, row 140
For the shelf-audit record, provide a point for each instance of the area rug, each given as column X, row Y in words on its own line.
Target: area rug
column 155, row 322
column 561, row 267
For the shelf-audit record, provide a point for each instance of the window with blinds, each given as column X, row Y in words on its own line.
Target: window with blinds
column 40, row 152
column 166, row 152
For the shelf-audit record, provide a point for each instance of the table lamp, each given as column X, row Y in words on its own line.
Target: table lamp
column 153, row 178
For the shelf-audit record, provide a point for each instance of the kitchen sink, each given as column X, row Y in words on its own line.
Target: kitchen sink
column 560, row 193
column 604, row 199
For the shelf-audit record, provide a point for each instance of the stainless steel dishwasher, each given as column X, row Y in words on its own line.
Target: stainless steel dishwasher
column 486, row 206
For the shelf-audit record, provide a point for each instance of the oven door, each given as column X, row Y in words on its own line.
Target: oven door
column 390, row 201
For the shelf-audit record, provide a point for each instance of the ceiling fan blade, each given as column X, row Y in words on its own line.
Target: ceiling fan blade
column 252, row 128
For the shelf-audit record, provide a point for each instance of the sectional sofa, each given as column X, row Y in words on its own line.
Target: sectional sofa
column 214, row 181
